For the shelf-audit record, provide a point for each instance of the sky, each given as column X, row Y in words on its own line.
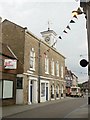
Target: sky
column 35, row 14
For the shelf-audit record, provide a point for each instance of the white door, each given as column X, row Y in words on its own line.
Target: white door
column 32, row 91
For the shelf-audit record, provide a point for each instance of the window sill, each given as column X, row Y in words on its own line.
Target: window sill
column 7, row 98
column 57, row 75
column 46, row 73
column 53, row 74
column 32, row 69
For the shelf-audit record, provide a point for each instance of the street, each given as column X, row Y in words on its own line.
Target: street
column 60, row 109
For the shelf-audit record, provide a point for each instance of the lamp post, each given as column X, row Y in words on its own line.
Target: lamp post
column 86, row 8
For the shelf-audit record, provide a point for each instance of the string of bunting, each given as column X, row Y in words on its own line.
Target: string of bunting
column 64, row 31
column 68, row 26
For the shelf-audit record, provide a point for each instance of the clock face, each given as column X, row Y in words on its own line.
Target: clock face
column 47, row 38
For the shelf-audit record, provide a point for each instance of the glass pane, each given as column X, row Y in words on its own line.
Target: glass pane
column 7, row 89
column 19, row 82
column 42, row 89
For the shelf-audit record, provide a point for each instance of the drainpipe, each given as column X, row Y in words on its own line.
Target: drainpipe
column 39, row 72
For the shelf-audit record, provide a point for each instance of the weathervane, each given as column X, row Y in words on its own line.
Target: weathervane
column 49, row 24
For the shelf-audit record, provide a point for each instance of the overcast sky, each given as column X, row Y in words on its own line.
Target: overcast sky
column 35, row 15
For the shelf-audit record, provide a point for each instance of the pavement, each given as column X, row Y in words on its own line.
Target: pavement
column 81, row 112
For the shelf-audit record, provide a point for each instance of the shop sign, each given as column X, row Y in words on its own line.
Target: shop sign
column 10, row 64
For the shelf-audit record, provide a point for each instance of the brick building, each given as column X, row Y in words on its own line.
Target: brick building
column 8, row 71
column 41, row 69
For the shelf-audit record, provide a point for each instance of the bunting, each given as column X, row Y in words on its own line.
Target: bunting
column 68, row 27
column 60, row 37
column 45, row 53
column 48, row 50
column 75, row 16
column 72, row 21
column 65, row 30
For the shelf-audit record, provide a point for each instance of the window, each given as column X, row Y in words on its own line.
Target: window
column 19, row 83
column 42, row 89
column 61, row 71
column 57, row 68
column 0, row 89
column 32, row 59
column 46, row 65
column 52, row 67
column 7, row 89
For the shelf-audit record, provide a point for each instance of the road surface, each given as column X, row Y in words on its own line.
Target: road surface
column 56, row 110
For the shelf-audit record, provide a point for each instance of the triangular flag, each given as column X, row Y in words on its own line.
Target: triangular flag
column 44, row 53
column 48, row 50
column 68, row 27
column 53, row 44
column 72, row 21
column 79, row 11
column 65, row 31
column 60, row 37
column 75, row 16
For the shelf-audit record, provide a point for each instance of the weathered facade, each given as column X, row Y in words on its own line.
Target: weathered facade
column 7, row 76
column 41, row 69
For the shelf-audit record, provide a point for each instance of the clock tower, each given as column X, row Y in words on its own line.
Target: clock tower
column 49, row 37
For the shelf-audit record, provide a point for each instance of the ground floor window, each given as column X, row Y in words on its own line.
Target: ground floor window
column 7, row 89
column 19, row 82
column 52, row 91
column 42, row 89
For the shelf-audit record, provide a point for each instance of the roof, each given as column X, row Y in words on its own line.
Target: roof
column 13, row 23
column 6, row 51
column 49, row 31
column 28, row 32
